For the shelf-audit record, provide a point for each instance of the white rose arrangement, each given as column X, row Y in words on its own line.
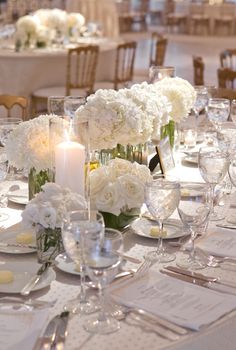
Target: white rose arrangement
column 27, row 146
column 50, row 207
column 119, row 186
column 26, row 30
column 135, row 115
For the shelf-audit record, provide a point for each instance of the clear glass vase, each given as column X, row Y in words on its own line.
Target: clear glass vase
column 137, row 153
column 49, row 243
column 37, row 179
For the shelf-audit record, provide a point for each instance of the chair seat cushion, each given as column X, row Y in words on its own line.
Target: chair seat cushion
column 57, row 91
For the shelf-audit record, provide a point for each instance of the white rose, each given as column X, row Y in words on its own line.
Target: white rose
column 141, row 171
column 98, row 179
column 74, row 201
column 132, row 190
column 109, row 199
column 30, row 215
column 119, row 167
column 47, row 216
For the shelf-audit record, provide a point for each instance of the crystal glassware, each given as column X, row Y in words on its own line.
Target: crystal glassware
column 233, row 111
column 74, row 229
column 157, row 73
column 194, row 210
column 213, row 165
column 72, row 103
column 202, row 98
column 3, row 194
column 103, row 257
column 161, row 198
column 56, row 105
column 218, row 110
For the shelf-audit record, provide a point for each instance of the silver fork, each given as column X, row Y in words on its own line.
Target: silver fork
column 144, row 267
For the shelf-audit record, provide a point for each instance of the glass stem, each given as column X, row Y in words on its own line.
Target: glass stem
column 212, row 186
column 160, row 248
column 192, row 248
column 82, row 294
column 102, row 313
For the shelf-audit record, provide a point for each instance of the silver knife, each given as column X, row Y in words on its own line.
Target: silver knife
column 35, row 279
column 49, row 335
column 61, row 333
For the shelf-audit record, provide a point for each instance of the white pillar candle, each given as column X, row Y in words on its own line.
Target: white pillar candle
column 70, row 166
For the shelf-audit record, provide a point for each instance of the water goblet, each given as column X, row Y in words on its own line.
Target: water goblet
column 194, row 210
column 56, row 105
column 3, row 194
column 157, row 73
column 233, row 111
column 161, row 198
column 73, row 231
column 103, row 257
column 72, row 103
column 202, row 98
column 218, row 111
column 213, row 165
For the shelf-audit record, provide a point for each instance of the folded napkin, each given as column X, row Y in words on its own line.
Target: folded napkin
column 20, row 329
column 219, row 241
column 183, row 303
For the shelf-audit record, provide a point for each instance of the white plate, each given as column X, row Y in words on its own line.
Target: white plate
column 9, row 236
column 174, row 228
column 65, row 264
column 20, row 196
column 23, row 271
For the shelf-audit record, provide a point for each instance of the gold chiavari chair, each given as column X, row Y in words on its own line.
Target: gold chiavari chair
column 158, row 49
column 124, row 67
column 80, row 76
column 226, row 78
column 198, row 70
column 9, row 101
column 228, row 59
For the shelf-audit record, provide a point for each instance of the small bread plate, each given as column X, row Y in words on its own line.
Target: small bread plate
column 10, row 245
column 65, row 264
column 173, row 228
column 22, row 273
column 20, row 196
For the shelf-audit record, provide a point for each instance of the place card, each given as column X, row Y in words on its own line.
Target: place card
column 165, row 155
column 183, row 303
column 221, row 242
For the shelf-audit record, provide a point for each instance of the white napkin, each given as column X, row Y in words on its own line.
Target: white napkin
column 183, row 303
column 21, row 329
column 221, row 242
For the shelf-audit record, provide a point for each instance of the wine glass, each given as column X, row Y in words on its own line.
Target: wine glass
column 213, row 165
column 218, row 111
column 233, row 111
column 161, row 198
column 103, row 256
column 194, row 210
column 202, row 98
column 157, row 73
column 72, row 103
column 73, row 231
column 3, row 194
column 56, row 105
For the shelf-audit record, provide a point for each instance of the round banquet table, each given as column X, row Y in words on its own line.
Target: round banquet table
column 218, row 336
column 26, row 71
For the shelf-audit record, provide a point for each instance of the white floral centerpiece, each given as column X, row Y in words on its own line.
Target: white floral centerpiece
column 26, row 31
column 46, row 212
column 117, row 190
column 28, row 148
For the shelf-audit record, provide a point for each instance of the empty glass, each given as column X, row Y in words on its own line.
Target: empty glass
column 157, row 73
column 3, row 194
column 74, row 229
column 56, row 105
column 202, row 97
column 72, row 103
column 103, row 256
column 6, row 126
column 161, row 198
column 218, row 111
column 213, row 165
column 233, row 111
column 194, row 210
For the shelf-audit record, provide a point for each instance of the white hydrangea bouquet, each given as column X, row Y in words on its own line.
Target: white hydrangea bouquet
column 136, row 115
column 28, row 148
column 117, row 191
column 46, row 212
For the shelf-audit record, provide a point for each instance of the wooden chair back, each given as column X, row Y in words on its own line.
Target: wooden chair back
column 9, row 101
column 228, row 59
column 158, row 50
column 225, row 93
column 81, row 68
column 124, row 66
column 198, row 70
column 226, row 78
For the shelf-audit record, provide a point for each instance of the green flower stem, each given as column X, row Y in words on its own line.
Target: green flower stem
column 169, row 130
column 37, row 180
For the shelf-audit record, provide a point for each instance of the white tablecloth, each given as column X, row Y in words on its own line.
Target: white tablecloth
column 220, row 335
column 26, row 71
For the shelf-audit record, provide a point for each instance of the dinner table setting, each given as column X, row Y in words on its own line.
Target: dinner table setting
column 115, row 256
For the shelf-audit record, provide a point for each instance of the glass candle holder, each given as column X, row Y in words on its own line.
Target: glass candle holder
column 157, row 73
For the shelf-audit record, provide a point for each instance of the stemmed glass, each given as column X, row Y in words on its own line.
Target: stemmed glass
column 3, row 175
column 213, row 165
column 202, row 98
column 72, row 103
column 73, row 232
column 218, row 111
column 56, row 105
column 103, row 256
column 233, row 111
column 194, row 210
column 161, row 198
